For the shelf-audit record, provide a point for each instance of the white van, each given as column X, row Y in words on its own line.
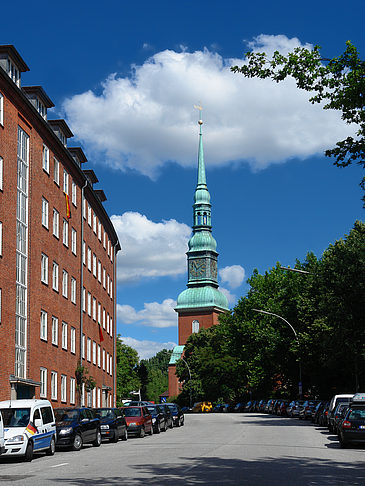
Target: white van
column 29, row 426
column 2, row 440
column 345, row 398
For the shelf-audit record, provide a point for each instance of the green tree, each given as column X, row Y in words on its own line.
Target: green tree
column 153, row 373
column 340, row 84
column 127, row 363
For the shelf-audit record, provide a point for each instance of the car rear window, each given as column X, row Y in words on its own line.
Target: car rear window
column 15, row 417
column 357, row 415
column 47, row 415
column 63, row 415
column 132, row 412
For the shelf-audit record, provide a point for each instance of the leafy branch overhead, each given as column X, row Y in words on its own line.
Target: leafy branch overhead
column 339, row 84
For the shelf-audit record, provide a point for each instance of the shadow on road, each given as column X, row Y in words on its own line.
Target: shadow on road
column 227, row 472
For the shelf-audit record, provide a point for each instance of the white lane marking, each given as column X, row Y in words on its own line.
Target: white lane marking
column 59, row 465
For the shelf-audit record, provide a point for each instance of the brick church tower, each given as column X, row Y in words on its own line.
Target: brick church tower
column 200, row 304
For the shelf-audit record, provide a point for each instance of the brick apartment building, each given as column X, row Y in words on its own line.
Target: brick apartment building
column 58, row 253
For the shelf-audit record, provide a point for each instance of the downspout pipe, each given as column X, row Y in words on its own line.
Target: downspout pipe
column 82, row 274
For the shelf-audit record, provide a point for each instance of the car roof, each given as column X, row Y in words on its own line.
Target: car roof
column 24, row 403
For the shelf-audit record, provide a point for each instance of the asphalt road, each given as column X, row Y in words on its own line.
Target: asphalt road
column 211, row 449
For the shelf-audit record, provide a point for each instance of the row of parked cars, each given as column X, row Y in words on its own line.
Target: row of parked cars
column 30, row 426
column 343, row 415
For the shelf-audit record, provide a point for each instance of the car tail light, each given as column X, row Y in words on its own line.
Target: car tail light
column 346, row 424
column 326, row 413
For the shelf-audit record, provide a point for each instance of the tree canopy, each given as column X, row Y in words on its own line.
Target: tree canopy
column 340, row 84
column 127, row 377
column 154, row 375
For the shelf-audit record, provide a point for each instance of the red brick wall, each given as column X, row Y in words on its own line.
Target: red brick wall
column 206, row 320
column 175, row 386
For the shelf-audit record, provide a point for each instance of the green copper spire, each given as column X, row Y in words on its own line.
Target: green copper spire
column 202, row 291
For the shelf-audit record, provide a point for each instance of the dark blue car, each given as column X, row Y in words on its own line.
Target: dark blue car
column 112, row 423
column 77, row 426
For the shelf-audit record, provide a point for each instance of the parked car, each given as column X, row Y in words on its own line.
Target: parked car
column 158, row 418
column 323, row 417
column 335, row 400
column 339, row 416
column 2, row 439
column 352, row 428
column 317, row 411
column 112, row 424
column 307, row 409
column 139, row 421
column 202, row 407
column 77, row 426
column 294, row 407
column 29, row 426
column 168, row 415
column 177, row 414
column 282, row 408
column 239, row 407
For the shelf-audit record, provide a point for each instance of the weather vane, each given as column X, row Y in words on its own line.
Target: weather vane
column 200, row 108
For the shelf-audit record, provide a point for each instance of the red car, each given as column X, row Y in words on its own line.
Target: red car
column 139, row 421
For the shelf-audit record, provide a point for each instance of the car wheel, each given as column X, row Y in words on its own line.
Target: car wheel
column 115, row 436
column 52, row 448
column 29, row 452
column 77, row 443
column 125, row 436
column 171, row 425
column 142, row 433
column 182, row 422
column 97, row 440
column 158, row 428
column 164, row 427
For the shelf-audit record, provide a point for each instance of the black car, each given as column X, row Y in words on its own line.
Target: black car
column 112, row 423
column 168, row 415
column 77, row 426
column 159, row 421
column 352, row 428
column 177, row 414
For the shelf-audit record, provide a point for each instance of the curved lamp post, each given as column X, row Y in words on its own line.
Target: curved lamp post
column 182, row 359
column 296, row 337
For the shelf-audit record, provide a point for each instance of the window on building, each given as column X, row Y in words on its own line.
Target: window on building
column 43, row 332
column 99, row 231
column 64, row 335
column 104, row 240
column 108, row 284
column 73, row 290
column 84, row 252
column 111, row 288
column 56, row 172
column 64, row 283
column 89, row 304
column 99, row 313
column 107, row 362
column 1, row 173
column 111, row 365
column 83, row 299
column 56, row 223
column 44, row 212
column 111, row 326
column 72, row 390
column 94, row 265
column 43, row 380
column 88, row 349
column 45, row 163
column 65, row 232
column 108, row 247
column 104, row 278
column 94, row 308
column 195, row 326
column 44, row 269
column 89, row 215
column 89, row 258
column 65, row 181
column 63, row 388
column 53, row 385
column 74, row 193
column 99, row 354
column 107, row 322
column 55, row 276
column 94, row 352
column 99, row 271
column 103, row 318
column 73, row 340
column 73, row 241
column 83, row 346
column 94, row 223
column 84, row 208
column 104, row 359
column 1, row 109
column 13, row 72
column 55, row 330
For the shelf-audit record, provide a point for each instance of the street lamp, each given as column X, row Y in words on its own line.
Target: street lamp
column 295, row 270
column 296, row 337
column 182, row 359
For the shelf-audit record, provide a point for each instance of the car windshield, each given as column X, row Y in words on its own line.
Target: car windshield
column 152, row 409
column 63, row 415
column 173, row 408
column 16, row 417
column 132, row 412
column 104, row 413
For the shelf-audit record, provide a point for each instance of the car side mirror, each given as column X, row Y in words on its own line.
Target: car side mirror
column 38, row 423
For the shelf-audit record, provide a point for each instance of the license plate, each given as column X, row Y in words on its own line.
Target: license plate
column 361, row 426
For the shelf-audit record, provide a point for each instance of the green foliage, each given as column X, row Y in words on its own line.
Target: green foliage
column 153, row 375
column 127, row 377
column 340, row 84
column 251, row 353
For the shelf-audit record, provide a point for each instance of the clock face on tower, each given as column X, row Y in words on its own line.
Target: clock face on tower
column 197, row 268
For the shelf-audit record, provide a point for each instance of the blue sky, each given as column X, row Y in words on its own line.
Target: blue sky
column 126, row 76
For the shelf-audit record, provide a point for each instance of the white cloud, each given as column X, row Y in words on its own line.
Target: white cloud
column 147, row 119
column 233, row 275
column 146, row 349
column 232, row 298
column 150, row 249
column 153, row 314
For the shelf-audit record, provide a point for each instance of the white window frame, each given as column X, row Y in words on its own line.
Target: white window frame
column 99, row 313
column 55, row 276
column 72, row 391
column 104, row 240
column 53, row 385
column 65, row 283
column 89, row 258
column 43, row 325
column 103, row 359
column 99, row 271
column 73, row 340
column 95, row 223
column 84, row 208
column 43, row 381
column 88, row 350
column 1, row 173
column 74, row 241
column 89, row 303
column 44, row 268
column 99, row 355
column 108, row 284
column 45, row 158
column 65, row 232
column 104, row 314
column 56, row 171
column 104, row 278
column 94, row 309
column 107, row 322
column 64, row 335
column 111, row 288
column 83, row 299
column 44, row 212
column 111, row 365
column 1, row 109
column 94, row 352
column 56, row 223
column 74, row 193
column 65, row 181
column 95, row 261
column 73, row 290
column 84, row 253
column 99, row 231
column 63, row 388
column 89, row 215
column 83, row 346
column 107, row 363
column 111, row 326
column 55, row 330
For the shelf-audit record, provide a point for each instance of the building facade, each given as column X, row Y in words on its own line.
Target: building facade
column 58, row 253
column 200, row 305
